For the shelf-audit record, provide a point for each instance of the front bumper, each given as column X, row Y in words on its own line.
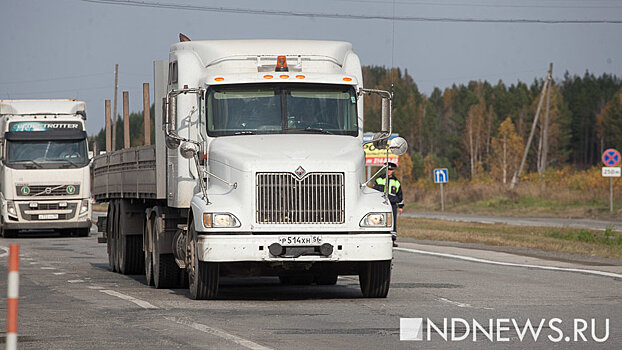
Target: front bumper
column 46, row 225
column 347, row 247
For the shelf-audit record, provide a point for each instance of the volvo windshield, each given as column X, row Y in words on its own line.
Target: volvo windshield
column 31, row 154
column 281, row 108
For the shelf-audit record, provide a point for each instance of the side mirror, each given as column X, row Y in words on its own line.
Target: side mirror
column 386, row 115
column 398, row 146
column 188, row 150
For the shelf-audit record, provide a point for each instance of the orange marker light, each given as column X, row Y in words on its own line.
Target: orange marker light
column 284, row 76
column 281, row 64
column 268, row 76
column 219, row 79
column 300, row 77
column 347, row 79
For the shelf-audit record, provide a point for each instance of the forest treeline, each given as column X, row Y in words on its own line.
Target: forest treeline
column 479, row 129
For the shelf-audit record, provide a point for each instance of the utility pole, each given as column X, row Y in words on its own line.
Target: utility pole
column 545, row 143
column 126, row 119
column 146, row 114
column 533, row 129
column 114, row 115
column 108, row 142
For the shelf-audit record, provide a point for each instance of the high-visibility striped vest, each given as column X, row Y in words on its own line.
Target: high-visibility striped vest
column 393, row 184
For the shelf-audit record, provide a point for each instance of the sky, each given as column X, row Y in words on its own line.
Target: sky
column 68, row 48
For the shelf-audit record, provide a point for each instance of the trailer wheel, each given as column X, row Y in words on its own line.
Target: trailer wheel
column 374, row 278
column 165, row 269
column 147, row 253
column 112, row 243
column 130, row 255
column 203, row 277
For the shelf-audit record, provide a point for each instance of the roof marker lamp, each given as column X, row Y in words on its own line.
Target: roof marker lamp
column 281, row 64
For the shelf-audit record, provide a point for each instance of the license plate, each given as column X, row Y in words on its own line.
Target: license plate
column 48, row 216
column 300, row 240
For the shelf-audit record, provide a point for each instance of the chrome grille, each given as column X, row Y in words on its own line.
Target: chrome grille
column 47, row 190
column 317, row 198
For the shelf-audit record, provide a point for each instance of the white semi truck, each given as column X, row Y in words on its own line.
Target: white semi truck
column 45, row 180
column 258, row 169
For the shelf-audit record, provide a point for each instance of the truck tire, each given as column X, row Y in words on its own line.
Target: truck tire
column 130, row 255
column 112, row 242
column 9, row 233
column 147, row 254
column 165, row 269
column 203, row 277
column 84, row 232
column 375, row 278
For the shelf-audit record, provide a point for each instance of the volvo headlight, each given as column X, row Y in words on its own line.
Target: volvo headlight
column 10, row 208
column 377, row 220
column 219, row 220
column 84, row 207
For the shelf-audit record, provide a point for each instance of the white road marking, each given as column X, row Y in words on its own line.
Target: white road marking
column 59, row 273
column 492, row 262
column 95, row 287
column 459, row 304
column 141, row 303
column 47, row 268
column 5, row 253
column 75, row 281
column 219, row 333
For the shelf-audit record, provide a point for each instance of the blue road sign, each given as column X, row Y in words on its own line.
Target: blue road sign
column 441, row 176
column 611, row 157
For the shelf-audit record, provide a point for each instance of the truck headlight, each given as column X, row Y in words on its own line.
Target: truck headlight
column 217, row 220
column 10, row 208
column 84, row 208
column 377, row 220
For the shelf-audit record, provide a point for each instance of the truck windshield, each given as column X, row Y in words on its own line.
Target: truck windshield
column 281, row 108
column 46, row 154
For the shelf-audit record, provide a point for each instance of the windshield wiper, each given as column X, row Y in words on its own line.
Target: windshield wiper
column 68, row 161
column 320, row 130
column 30, row 161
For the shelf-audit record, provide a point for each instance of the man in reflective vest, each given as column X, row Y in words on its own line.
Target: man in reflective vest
column 395, row 195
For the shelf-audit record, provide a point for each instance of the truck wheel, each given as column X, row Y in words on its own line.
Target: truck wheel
column 147, row 254
column 203, row 277
column 112, row 243
column 374, row 278
column 165, row 269
column 326, row 279
column 130, row 255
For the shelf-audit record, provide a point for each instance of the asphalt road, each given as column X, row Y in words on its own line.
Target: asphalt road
column 70, row 300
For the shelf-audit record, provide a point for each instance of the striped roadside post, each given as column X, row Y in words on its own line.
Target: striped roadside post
column 12, row 297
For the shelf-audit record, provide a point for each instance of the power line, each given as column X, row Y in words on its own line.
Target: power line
column 446, row 4
column 136, row 3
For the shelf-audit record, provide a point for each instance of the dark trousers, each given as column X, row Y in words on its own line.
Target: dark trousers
column 394, row 232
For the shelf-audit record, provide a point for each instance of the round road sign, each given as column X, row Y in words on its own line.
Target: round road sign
column 611, row 157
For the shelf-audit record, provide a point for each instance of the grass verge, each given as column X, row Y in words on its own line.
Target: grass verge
column 577, row 241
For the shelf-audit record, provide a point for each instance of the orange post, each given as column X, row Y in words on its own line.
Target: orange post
column 12, row 298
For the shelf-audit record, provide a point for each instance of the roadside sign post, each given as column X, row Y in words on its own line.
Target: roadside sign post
column 611, row 158
column 441, row 176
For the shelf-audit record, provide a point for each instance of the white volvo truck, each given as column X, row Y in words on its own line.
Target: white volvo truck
column 45, row 180
column 258, row 169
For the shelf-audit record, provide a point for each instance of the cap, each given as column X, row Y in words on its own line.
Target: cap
column 392, row 166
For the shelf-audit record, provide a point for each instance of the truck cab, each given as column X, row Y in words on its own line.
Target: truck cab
column 44, row 172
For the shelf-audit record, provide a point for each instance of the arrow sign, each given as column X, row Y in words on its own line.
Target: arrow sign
column 611, row 157
column 441, row 176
